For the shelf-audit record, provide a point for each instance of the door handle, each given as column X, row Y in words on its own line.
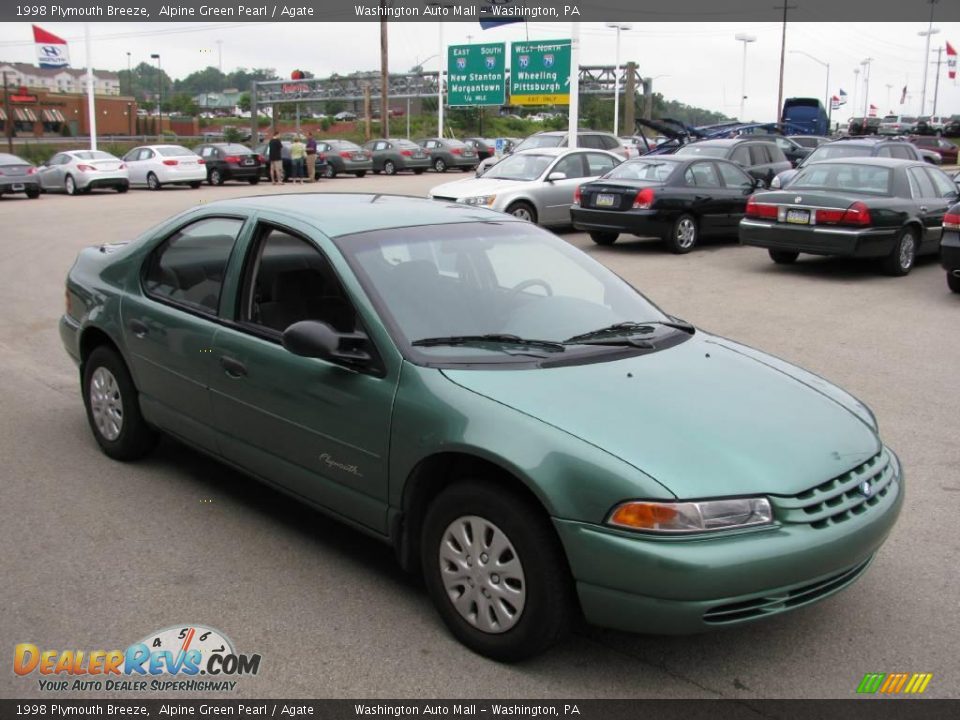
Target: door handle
column 923, row 208
column 233, row 368
column 138, row 328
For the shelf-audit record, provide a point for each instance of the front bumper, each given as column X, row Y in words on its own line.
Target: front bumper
column 679, row 586
column 645, row 223
column 950, row 250
column 822, row 240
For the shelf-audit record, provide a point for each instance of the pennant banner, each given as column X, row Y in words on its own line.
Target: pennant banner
column 843, row 97
column 52, row 51
column 951, row 62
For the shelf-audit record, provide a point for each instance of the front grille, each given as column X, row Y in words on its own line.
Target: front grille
column 444, row 198
column 785, row 600
column 841, row 498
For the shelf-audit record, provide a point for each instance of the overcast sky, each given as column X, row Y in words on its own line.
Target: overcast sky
column 695, row 63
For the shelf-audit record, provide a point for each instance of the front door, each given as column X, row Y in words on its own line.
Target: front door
column 316, row 428
column 558, row 194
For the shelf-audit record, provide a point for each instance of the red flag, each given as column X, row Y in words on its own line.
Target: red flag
column 951, row 62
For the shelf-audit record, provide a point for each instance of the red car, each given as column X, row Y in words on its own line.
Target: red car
column 947, row 150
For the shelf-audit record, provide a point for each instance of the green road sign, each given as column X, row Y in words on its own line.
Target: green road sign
column 476, row 74
column 540, row 72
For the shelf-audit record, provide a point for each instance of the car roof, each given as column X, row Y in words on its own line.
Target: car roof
column 879, row 161
column 337, row 214
column 730, row 142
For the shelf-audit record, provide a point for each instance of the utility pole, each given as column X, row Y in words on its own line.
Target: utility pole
column 926, row 56
column 220, row 62
column 783, row 51
column 630, row 98
column 936, row 85
column 8, row 125
column 384, row 77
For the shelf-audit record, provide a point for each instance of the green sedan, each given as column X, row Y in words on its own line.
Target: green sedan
column 524, row 428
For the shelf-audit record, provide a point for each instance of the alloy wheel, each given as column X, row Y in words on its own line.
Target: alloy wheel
column 70, row 185
column 106, row 404
column 686, row 233
column 908, row 250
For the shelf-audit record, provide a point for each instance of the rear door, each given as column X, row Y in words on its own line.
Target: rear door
column 707, row 199
column 169, row 323
column 134, row 166
column 930, row 206
column 946, row 194
column 737, row 187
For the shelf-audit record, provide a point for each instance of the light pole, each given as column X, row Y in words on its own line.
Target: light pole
column 866, row 85
column 856, row 88
column 129, row 77
column 156, row 57
column 826, row 97
column 616, row 77
column 746, row 40
column 889, row 87
column 926, row 57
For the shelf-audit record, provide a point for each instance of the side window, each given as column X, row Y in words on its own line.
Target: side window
column 188, row 267
column 741, row 156
column 59, row 159
column 598, row 164
column 132, row 155
column 701, row 174
column 943, row 185
column 759, row 154
column 924, row 183
column 901, row 152
column 591, row 141
column 571, row 166
column 884, row 152
column 381, row 146
column 207, row 152
column 610, row 142
column 733, row 177
column 292, row 281
column 145, row 154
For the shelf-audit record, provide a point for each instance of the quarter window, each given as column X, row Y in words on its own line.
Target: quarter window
column 759, row 155
column 943, row 185
column 188, row 267
column 598, row 164
column 741, row 156
column 734, row 177
column 571, row 166
column 924, row 183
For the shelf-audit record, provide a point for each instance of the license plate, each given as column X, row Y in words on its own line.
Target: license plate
column 418, row 155
column 798, row 217
column 605, row 200
column 19, row 187
column 359, row 156
column 248, row 161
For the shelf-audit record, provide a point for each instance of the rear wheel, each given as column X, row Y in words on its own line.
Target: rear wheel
column 122, row 188
column 360, row 174
column 524, row 211
column 389, row 168
column 495, row 570
column 683, row 234
column 70, row 185
column 783, row 257
column 254, row 180
column 113, row 408
column 194, row 185
column 604, row 238
column 216, row 177
column 900, row 260
column 440, row 165
column 953, row 282
column 33, row 193
column 153, row 182
column 330, row 171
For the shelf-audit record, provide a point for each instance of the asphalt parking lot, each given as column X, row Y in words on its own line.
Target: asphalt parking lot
column 98, row 554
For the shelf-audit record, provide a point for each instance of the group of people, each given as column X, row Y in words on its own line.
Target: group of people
column 303, row 159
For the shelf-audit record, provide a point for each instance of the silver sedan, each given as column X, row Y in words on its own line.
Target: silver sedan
column 537, row 185
column 80, row 171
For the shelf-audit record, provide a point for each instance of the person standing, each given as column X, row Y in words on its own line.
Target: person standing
column 311, row 158
column 298, row 154
column 275, row 156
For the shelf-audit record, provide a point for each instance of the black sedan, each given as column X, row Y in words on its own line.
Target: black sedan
column 18, row 176
column 677, row 198
column 950, row 245
column 230, row 161
column 854, row 207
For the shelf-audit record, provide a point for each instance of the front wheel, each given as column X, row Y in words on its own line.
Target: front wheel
column 783, row 257
column 33, row 193
column 113, row 408
column 495, row 570
column 194, row 185
column 330, row 172
column 360, row 174
column 683, row 235
column 900, row 260
column 440, row 165
column 604, row 238
column 216, row 177
column 389, row 168
column 418, row 171
column 121, row 188
column 953, row 281
column 524, row 211
column 254, row 180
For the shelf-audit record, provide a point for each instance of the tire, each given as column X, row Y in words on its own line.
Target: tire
column 113, row 407
column 953, row 282
column 70, row 185
column 901, row 259
column 122, row 188
column 389, row 168
column 194, row 185
column 524, row 211
column 253, row 180
column 783, row 257
column 683, row 235
column 153, row 182
column 330, row 172
column 33, row 193
column 216, row 177
column 376, row 172
column 418, row 171
column 537, row 588
column 604, row 238
column 440, row 165
column 360, row 174
column 468, row 169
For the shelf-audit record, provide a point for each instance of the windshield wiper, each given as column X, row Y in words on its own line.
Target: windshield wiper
column 631, row 328
column 497, row 338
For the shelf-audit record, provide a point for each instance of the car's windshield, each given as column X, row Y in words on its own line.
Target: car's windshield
column 831, row 151
column 469, row 279
column 343, row 144
column 540, row 141
column 234, row 149
column 714, row 151
column 652, row 170
column 525, row 166
column 850, row 177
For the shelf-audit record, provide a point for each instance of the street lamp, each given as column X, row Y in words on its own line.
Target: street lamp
column 866, row 85
column 926, row 33
column 856, row 88
column 826, row 98
column 129, row 77
column 745, row 39
column 156, row 57
column 616, row 76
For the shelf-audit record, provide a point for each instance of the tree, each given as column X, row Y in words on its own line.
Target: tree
column 243, row 102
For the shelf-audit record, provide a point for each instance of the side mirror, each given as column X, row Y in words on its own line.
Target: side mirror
column 556, row 176
column 759, row 183
column 315, row 339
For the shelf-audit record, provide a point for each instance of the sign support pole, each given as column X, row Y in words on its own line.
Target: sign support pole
column 442, row 56
column 91, row 106
column 574, row 83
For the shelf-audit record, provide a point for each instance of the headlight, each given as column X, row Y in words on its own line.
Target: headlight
column 479, row 200
column 691, row 517
column 775, row 183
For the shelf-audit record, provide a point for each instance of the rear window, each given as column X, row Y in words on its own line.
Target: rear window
column 454, row 143
column 343, row 144
column 540, row 141
column 406, row 144
column 235, row 149
column 11, row 160
column 650, row 170
column 93, row 155
column 889, row 118
column 714, row 151
column 847, row 177
column 829, row 152
column 174, row 151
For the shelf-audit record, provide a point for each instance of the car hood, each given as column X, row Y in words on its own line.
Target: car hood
column 705, row 418
column 474, row 187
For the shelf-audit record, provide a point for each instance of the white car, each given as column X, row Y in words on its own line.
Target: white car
column 80, row 171
column 159, row 165
column 537, row 185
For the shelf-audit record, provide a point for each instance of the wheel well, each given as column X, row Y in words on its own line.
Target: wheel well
column 93, row 338
column 428, row 479
column 916, row 227
column 528, row 203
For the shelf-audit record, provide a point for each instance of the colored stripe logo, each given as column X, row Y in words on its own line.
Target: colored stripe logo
column 894, row 683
